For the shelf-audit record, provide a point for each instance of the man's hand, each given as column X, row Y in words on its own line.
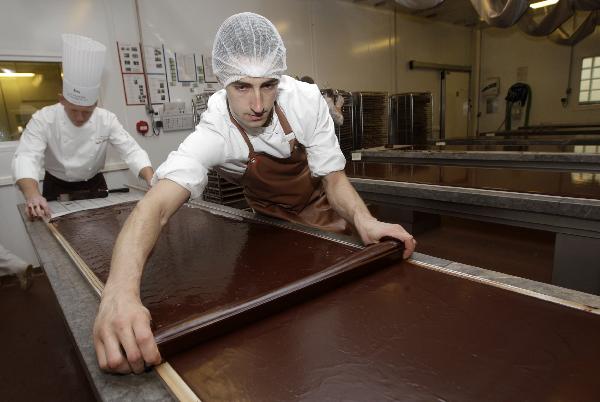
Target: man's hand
column 146, row 174
column 346, row 201
column 122, row 336
column 37, row 207
column 371, row 231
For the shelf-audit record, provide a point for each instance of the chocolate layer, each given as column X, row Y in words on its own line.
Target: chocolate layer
column 207, row 269
column 405, row 333
column 565, row 184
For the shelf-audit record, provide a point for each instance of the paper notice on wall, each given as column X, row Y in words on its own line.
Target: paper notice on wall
column 158, row 89
column 130, row 57
column 135, row 89
column 171, row 67
column 209, row 75
column 154, row 60
column 186, row 67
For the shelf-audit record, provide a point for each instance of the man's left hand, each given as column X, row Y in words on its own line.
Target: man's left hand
column 371, row 231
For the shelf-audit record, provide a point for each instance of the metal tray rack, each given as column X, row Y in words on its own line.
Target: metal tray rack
column 410, row 118
column 371, row 111
column 221, row 191
column 344, row 132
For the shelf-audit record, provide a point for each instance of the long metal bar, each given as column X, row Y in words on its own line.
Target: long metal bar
column 419, row 65
column 511, row 160
column 442, row 105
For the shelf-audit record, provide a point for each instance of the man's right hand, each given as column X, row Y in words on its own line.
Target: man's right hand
column 37, row 207
column 122, row 336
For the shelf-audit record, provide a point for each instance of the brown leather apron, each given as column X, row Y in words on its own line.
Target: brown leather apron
column 284, row 188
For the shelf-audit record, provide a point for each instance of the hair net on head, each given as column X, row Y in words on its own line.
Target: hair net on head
column 247, row 45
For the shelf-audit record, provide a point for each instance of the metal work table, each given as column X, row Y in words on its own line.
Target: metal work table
column 575, row 221
column 499, row 140
column 79, row 305
column 544, row 131
column 564, row 161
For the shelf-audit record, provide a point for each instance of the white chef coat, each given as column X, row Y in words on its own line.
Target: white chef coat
column 10, row 263
column 73, row 153
column 217, row 142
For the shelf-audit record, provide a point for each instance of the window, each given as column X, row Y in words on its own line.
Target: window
column 589, row 87
column 25, row 87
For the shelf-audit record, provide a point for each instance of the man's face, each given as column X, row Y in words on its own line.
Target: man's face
column 251, row 100
column 78, row 115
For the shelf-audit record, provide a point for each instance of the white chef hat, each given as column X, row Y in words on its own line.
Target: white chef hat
column 83, row 61
column 248, row 45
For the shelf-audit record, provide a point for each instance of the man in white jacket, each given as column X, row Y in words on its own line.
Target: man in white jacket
column 70, row 139
column 265, row 130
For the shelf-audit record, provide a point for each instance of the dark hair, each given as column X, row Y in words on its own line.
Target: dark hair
column 308, row 79
column 329, row 93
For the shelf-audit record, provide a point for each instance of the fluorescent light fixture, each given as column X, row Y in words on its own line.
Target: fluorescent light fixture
column 16, row 75
column 544, row 3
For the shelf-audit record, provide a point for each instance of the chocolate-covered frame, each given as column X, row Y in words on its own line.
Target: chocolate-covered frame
column 173, row 332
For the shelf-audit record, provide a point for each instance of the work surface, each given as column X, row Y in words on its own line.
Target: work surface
column 407, row 329
column 564, row 184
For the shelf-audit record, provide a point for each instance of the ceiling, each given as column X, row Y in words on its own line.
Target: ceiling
column 458, row 12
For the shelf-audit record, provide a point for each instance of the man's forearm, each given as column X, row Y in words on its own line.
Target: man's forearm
column 134, row 243
column 29, row 187
column 344, row 199
column 139, row 234
column 123, row 338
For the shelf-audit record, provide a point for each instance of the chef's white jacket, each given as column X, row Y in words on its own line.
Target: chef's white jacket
column 217, row 142
column 72, row 153
column 10, row 263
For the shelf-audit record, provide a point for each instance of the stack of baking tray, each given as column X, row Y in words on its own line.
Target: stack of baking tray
column 344, row 132
column 410, row 118
column 221, row 191
column 371, row 111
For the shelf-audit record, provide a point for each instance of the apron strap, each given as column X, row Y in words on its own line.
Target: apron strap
column 285, row 124
column 242, row 131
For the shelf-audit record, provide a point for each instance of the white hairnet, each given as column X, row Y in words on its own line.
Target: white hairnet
column 247, row 45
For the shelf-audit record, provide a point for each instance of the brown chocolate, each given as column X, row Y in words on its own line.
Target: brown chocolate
column 565, row 184
column 405, row 333
column 206, row 269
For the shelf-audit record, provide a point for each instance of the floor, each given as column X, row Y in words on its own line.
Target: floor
column 39, row 359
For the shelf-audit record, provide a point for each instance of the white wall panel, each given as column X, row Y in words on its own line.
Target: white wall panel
column 430, row 42
column 505, row 50
column 353, row 46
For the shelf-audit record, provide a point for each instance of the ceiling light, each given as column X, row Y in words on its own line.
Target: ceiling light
column 16, row 75
column 544, row 3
